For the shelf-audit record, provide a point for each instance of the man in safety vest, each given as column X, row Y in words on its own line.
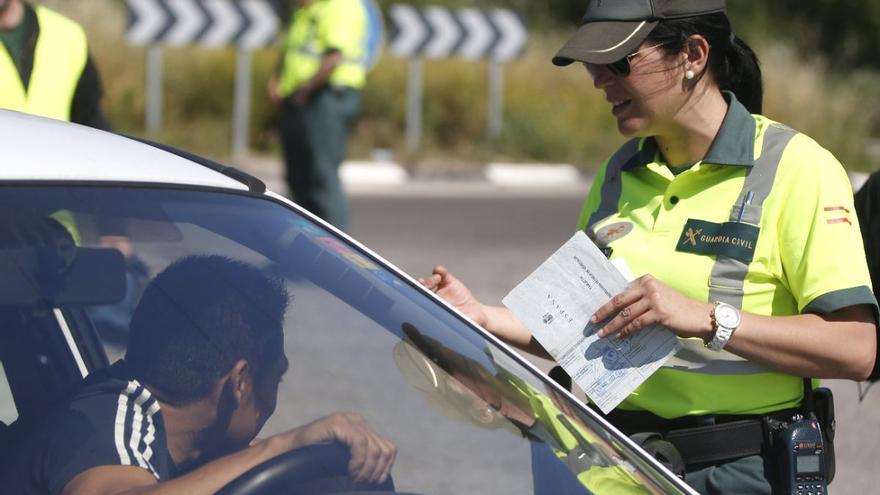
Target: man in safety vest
column 318, row 84
column 45, row 66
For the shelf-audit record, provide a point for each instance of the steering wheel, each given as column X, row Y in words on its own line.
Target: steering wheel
column 314, row 469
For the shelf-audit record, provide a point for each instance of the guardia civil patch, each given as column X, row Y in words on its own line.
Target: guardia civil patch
column 733, row 239
column 613, row 232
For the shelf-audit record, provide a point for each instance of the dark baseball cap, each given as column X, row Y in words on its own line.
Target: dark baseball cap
column 612, row 29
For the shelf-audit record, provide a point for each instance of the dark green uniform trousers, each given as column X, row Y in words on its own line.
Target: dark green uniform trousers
column 314, row 141
column 747, row 475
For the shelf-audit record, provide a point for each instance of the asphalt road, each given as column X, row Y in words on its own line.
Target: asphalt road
column 493, row 238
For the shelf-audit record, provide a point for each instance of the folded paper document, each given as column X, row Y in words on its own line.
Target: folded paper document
column 556, row 302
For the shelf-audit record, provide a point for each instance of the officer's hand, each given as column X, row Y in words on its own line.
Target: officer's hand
column 649, row 301
column 372, row 455
column 453, row 291
column 272, row 91
column 301, row 97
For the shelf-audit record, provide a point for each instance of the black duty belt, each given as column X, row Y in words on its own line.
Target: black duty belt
column 704, row 439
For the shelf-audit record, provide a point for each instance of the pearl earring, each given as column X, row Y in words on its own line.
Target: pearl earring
column 689, row 74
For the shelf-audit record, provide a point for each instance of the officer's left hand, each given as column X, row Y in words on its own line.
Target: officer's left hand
column 649, row 301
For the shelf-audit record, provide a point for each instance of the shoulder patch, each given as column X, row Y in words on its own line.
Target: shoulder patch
column 836, row 214
column 612, row 232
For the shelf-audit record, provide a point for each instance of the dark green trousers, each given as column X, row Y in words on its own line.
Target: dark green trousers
column 314, row 141
column 747, row 475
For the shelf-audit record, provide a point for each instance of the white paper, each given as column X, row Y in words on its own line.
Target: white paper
column 556, row 302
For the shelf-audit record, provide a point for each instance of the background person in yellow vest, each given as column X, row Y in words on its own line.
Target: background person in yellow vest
column 318, row 84
column 741, row 233
column 45, row 66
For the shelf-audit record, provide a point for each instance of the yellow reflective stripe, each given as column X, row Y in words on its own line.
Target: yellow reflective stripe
column 59, row 58
column 728, row 274
column 695, row 357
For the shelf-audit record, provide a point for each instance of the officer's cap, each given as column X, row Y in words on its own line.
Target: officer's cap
column 612, row 29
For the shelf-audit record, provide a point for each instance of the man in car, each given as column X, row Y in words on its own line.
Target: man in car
column 180, row 413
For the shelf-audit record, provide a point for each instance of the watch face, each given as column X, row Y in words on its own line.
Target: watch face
column 726, row 316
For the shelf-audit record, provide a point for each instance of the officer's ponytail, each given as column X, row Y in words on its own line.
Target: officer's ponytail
column 733, row 64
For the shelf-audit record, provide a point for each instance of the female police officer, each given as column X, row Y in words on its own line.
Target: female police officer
column 741, row 230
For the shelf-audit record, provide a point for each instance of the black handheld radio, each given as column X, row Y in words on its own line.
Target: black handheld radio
column 803, row 457
column 806, row 467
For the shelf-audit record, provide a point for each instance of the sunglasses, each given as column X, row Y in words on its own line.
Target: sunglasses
column 621, row 68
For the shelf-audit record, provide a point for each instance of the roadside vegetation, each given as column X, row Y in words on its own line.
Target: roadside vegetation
column 551, row 115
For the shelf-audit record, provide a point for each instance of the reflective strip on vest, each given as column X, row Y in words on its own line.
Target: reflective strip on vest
column 728, row 274
column 59, row 59
column 612, row 184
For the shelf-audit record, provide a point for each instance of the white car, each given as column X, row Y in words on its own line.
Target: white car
column 87, row 218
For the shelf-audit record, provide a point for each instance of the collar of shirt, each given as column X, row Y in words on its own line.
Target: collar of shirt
column 734, row 144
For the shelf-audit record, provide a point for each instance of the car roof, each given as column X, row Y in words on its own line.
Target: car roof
column 41, row 149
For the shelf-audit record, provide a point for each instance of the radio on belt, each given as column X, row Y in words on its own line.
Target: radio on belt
column 802, row 453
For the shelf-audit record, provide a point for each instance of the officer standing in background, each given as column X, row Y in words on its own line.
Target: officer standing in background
column 318, row 84
column 45, row 66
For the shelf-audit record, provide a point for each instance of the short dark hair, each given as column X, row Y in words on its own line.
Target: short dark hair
column 197, row 318
column 732, row 62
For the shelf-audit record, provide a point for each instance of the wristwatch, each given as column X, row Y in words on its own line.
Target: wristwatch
column 725, row 319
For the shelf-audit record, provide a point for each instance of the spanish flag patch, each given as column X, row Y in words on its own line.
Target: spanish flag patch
column 836, row 214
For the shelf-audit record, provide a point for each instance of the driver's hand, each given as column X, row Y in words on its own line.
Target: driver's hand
column 372, row 455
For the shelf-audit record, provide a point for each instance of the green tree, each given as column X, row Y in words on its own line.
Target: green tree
column 844, row 31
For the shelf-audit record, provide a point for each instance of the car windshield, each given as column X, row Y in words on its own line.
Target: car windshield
column 466, row 416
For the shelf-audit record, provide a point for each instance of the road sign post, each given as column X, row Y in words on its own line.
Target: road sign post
column 246, row 24
column 414, row 104
column 153, row 104
column 496, row 35
column 242, row 110
column 495, row 104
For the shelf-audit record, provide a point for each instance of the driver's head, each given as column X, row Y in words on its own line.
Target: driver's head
column 210, row 328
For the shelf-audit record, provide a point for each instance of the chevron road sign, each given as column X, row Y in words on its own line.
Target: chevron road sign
column 247, row 24
column 494, row 35
column 438, row 32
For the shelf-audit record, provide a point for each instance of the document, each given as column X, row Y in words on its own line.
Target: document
column 556, row 302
